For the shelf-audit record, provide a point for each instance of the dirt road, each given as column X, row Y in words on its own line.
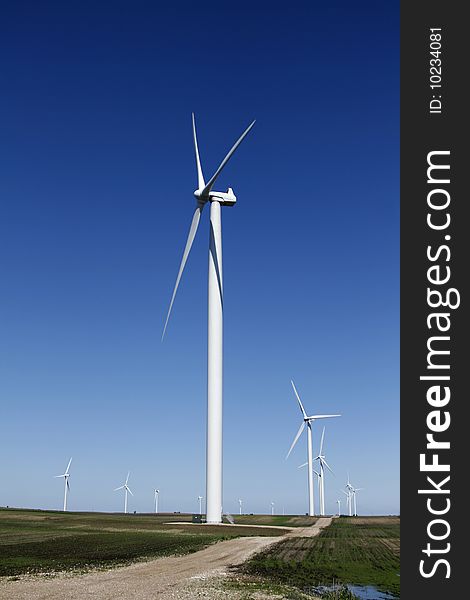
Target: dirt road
column 172, row 578
column 311, row 531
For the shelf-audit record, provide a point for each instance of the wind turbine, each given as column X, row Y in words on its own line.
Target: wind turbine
column 272, row 508
column 322, row 461
column 200, row 504
column 307, row 421
column 353, row 493
column 348, row 495
column 126, row 489
column 157, row 493
column 240, row 502
column 339, row 507
column 66, row 476
column 203, row 195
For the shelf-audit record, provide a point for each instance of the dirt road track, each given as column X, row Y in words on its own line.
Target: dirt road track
column 162, row 579
column 311, row 531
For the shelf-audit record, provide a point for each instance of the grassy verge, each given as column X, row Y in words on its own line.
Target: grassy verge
column 252, row 588
column 43, row 541
column 360, row 551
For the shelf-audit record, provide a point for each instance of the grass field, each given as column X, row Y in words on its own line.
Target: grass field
column 46, row 541
column 360, row 551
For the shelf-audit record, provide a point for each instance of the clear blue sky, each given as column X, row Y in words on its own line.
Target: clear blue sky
column 96, row 179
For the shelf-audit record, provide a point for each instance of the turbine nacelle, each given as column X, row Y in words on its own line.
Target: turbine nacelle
column 227, row 198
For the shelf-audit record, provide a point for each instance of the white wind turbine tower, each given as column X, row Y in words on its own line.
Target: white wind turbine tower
column 203, row 195
column 318, row 475
column 126, row 489
column 307, row 421
column 272, row 508
column 66, row 476
column 338, row 502
column 322, row 461
column 200, row 504
column 319, row 481
column 349, row 487
column 240, row 503
column 348, row 500
column 156, row 493
column 353, row 491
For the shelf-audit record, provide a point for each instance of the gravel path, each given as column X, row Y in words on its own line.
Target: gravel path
column 171, row 578
column 311, row 531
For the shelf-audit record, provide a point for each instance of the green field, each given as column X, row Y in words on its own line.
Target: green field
column 358, row 550
column 45, row 541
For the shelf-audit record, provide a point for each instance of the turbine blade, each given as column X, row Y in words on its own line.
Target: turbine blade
column 68, row 484
column 127, row 478
column 327, row 465
column 68, row 467
column 299, row 400
column 119, row 488
column 129, row 490
column 211, row 182
column 214, row 251
column 321, row 441
column 59, row 475
column 304, row 465
column 189, row 243
column 200, row 177
column 313, row 417
column 301, row 428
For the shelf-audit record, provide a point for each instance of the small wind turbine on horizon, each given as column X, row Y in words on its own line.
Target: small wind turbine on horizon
column 338, row 502
column 203, row 195
column 240, row 503
column 307, row 421
column 156, row 493
column 200, row 504
column 126, row 489
column 272, row 508
column 352, row 491
column 348, row 501
column 66, row 476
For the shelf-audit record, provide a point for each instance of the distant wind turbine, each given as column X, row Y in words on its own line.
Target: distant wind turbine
column 240, row 502
column 157, row 493
column 353, row 491
column 322, row 461
column 200, row 504
column 272, row 508
column 126, row 489
column 339, row 507
column 203, row 195
column 348, row 495
column 307, row 421
column 66, row 476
